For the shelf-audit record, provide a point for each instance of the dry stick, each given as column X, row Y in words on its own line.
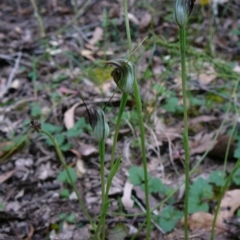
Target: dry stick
column 12, row 74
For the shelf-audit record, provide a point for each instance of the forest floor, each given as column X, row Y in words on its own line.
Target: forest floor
column 52, row 57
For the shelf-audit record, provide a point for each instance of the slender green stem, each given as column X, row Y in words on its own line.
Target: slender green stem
column 185, row 130
column 104, row 194
column 104, row 197
column 61, row 157
column 142, row 136
column 121, row 109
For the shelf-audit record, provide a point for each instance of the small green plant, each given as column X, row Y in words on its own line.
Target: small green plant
column 63, row 176
column 155, row 185
column 62, row 137
column 236, row 177
column 217, row 178
column 168, row 218
column 36, row 109
column 69, row 218
column 200, row 192
column 64, row 193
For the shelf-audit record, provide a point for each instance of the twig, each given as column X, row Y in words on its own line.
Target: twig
column 12, row 74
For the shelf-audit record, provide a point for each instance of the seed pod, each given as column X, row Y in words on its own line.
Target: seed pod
column 123, row 74
column 182, row 11
column 98, row 123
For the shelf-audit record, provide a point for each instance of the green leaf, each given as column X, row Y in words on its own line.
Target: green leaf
column 52, row 128
column 136, row 175
column 65, row 147
column 196, row 205
column 217, row 178
column 65, row 193
column 73, row 132
column 62, row 216
column 71, row 218
column 172, row 105
column 155, row 185
column 1, row 206
column 63, row 176
column 238, row 213
column 168, row 218
column 78, row 128
column 202, row 189
column 118, row 232
column 36, row 109
column 237, row 150
column 236, row 177
column 60, row 140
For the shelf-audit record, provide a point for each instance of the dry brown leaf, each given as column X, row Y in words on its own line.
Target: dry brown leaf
column 145, row 21
column 76, row 152
column 6, row 176
column 80, row 169
column 126, row 198
column 16, row 84
column 229, row 204
column 69, row 116
column 237, row 68
column 45, row 171
column 88, row 54
column 87, row 150
column 201, row 142
column 97, row 35
column 133, row 19
column 204, row 220
column 207, row 77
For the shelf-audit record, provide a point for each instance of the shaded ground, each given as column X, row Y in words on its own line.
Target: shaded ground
column 42, row 71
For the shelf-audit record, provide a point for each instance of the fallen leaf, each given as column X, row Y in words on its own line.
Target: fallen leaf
column 204, row 221
column 133, row 19
column 6, row 176
column 97, row 35
column 76, row 152
column 207, row 77
column 80, row 169
column 87, row 150
column 118, row 232
column 145, row 21
column 201, row 142
column 45, row 171
column 88, row 54
column 229, row 204
column 126, row 198
column 65, row 90
column 16, row 84
column 236, row 68
column 69, row 116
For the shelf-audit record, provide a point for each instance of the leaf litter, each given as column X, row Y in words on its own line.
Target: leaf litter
column 29, row 190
